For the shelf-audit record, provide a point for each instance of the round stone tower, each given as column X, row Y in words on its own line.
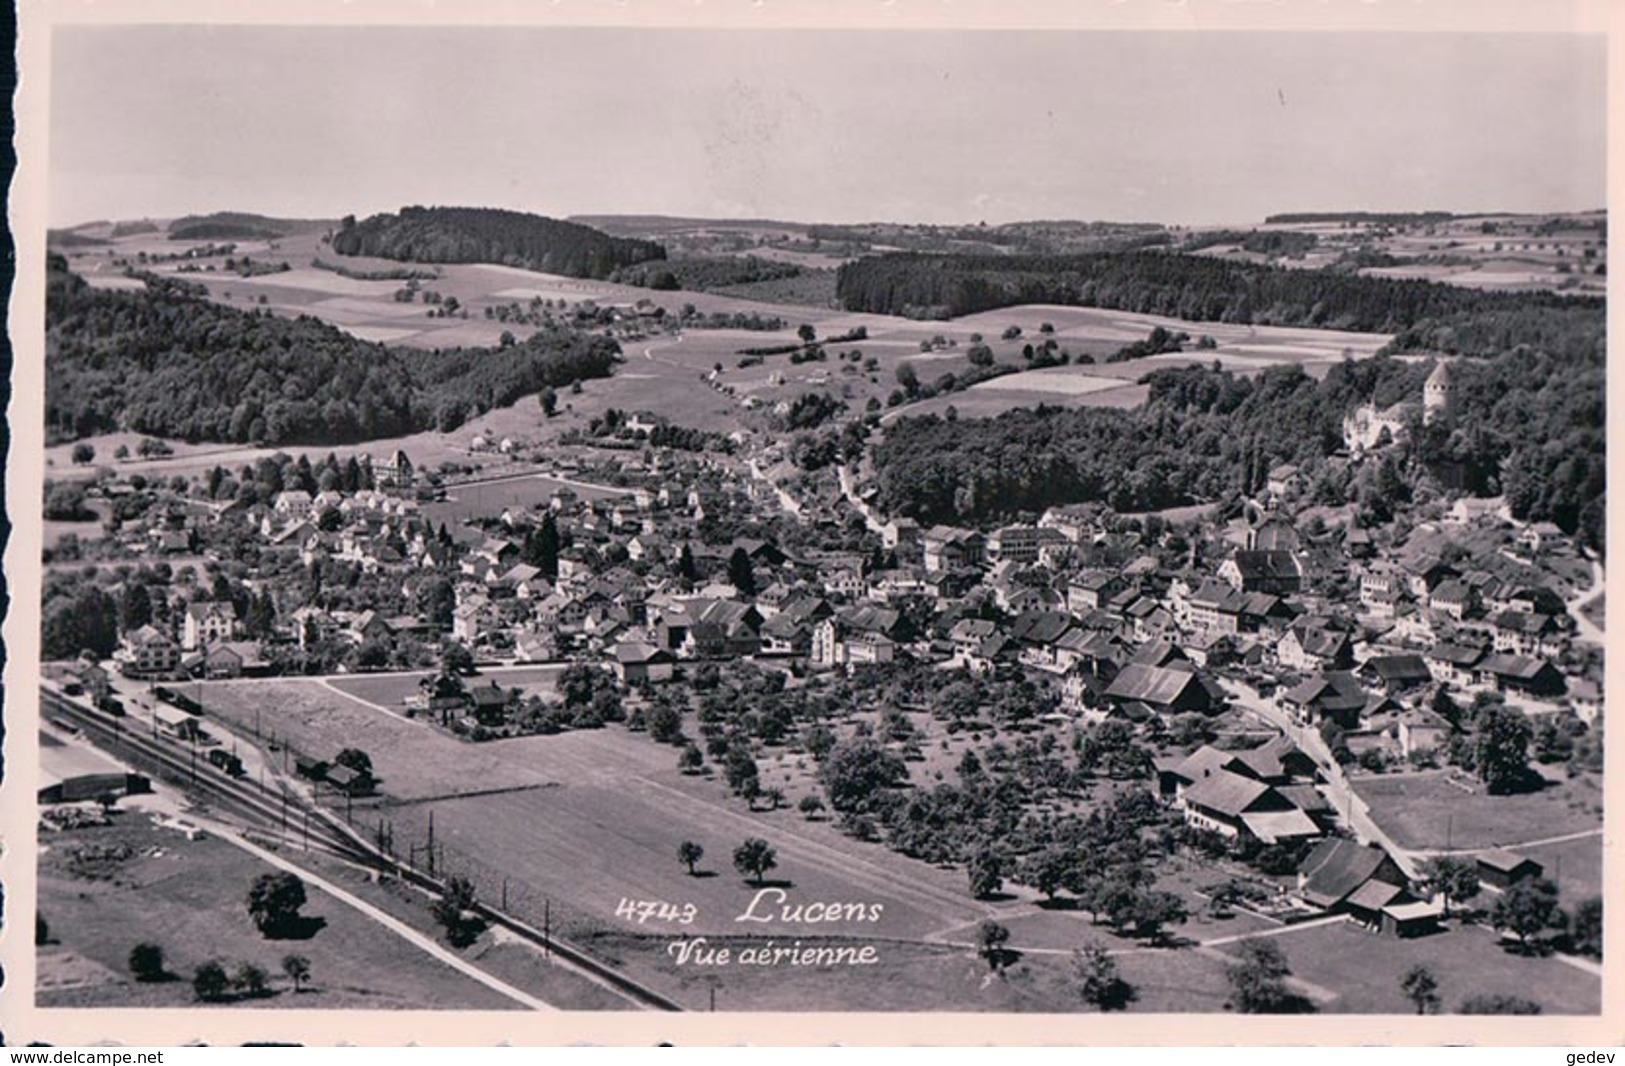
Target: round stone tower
column 1438, row 394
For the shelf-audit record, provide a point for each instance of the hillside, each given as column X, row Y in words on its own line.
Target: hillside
column 239, row 225
column 166, row 361
column 1194, row 288
column 488, row 235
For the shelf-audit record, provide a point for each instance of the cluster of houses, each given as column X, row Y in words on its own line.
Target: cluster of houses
column 1359, row 634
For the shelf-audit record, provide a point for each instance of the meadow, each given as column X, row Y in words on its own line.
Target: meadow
column 187, row 897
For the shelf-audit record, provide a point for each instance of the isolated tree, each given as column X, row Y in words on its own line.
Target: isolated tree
column 1501, row 746
column 42, row 929
column 986, row 873
column 1586, row 929
column 455, row 912
column 810, row 806
column 547, row 547
column 83, row 454
column 692, row 760
column 1422, row 989
column 1528, row 909
column 210, row 982
column 908, row 377
column 297, row 967
column 1258, row 981
column 740, row 770
column 355, row 759
column 991, row 938
column 274, row 900
column 754, row 858
column 741, row 574
column 455, row 660
column 1455, row 879
column 979, row 355
column 665, row 724
column 147, row 962
column 251, row 980
column 807, row 333
column 1099, row 984
column 689, row 853
column 549, row 401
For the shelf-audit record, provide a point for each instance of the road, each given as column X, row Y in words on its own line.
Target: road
column 849, row 489
column 791, row 505
column 1584, row 628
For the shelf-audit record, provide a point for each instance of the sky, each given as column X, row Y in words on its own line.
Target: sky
column 821, row 126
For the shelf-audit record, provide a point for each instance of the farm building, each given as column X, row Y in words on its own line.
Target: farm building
column 1362, row 881
column 1521, row 673
column 349, row 781
column 1165, row 689
column 639, row 663
column 1235, row 806
column 1503, row 869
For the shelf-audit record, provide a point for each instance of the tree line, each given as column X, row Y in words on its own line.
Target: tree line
column 489, row 235
column 1195, row 288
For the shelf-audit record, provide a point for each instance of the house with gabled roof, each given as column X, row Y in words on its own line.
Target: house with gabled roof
column 1525, row 674
column 1335, row 696
column 1395, row 674
column 1314, row 644
column 1454, row 664
column 638, row 663
column 1276, row 572
column 1164, row 689
column 207, row 623
column 1234, row 806
column 1364, row 882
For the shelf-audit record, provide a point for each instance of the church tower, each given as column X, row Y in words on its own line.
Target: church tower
column 1438, row 394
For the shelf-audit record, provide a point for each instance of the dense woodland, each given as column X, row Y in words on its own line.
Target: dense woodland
column 704, row 274
column 168, row 362
column 236, row 225
column 1195, row 288
column 1526, row 423
column 488, row 235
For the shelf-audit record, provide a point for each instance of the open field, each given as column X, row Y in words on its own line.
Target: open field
column 1576, row 866
column 390, row 690
column 491, row 498
column 1365, row 969
column 1426, row 811
column 187, row 897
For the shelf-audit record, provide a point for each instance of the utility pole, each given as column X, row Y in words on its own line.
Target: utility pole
column 547, row 926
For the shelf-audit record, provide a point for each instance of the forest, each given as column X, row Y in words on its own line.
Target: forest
column 704, row 274
column 489, row 235
column 167, row 362
column 1525, row 422
column 236, row 225
column 1195, row 288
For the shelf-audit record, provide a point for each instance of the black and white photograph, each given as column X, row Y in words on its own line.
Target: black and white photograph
column 705, row 514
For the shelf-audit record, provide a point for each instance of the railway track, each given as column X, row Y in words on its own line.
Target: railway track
column 290, row 815
column 281, row 812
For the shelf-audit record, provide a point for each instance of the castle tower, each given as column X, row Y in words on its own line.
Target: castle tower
column 1438, row 393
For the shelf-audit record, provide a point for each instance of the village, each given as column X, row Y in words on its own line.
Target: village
column 1263, row 678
